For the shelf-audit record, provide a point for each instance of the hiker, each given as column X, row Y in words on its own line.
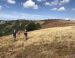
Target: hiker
column 26, row 34
column 14, row 34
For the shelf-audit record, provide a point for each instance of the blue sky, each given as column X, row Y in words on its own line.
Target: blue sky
column 37, row 9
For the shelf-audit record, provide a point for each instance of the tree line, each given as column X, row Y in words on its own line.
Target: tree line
column 7, row 28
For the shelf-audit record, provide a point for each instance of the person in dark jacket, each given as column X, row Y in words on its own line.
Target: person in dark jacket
column 14, row 34
column 26, row 34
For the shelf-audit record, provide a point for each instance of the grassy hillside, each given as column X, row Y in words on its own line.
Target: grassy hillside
column 56, row 42
column 6, row 27
column 57, row 23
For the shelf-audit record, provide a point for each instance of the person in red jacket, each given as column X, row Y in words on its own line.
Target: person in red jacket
column 26, row 34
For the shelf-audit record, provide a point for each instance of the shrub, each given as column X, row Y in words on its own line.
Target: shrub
column 38, row 25
column 1, row 34
column 32, row 26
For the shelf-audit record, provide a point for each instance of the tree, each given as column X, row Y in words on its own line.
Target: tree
column 38, row 25
column 31, row 26
column 1, row 34
column 22, row 26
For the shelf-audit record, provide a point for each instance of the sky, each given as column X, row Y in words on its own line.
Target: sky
column 37, row 9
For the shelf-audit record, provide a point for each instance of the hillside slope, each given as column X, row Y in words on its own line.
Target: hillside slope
column 56, row 42
column 57, row 23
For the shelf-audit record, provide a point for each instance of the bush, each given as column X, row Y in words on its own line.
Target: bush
column 7, row 31
column 32, row 26
column 22, row 26
column 1, row 34
column 38, row 25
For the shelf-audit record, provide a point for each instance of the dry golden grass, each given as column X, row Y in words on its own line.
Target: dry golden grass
column 56, row 42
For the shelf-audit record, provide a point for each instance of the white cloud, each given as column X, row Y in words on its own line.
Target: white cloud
column 67, row 18
column 61, row 9
column 41, row 0
column 54, row 9
column 53, row 3
column 47, row 3
column 0, row 7
column 17, row 15
column 57, row 2
column 11, row 1
column 58, row 9
column 30, row 4
column 35, row 7
column 64, row 2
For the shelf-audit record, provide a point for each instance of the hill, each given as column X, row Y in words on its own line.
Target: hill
column 6, row 27
column 57, row 23
column 56, row 42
